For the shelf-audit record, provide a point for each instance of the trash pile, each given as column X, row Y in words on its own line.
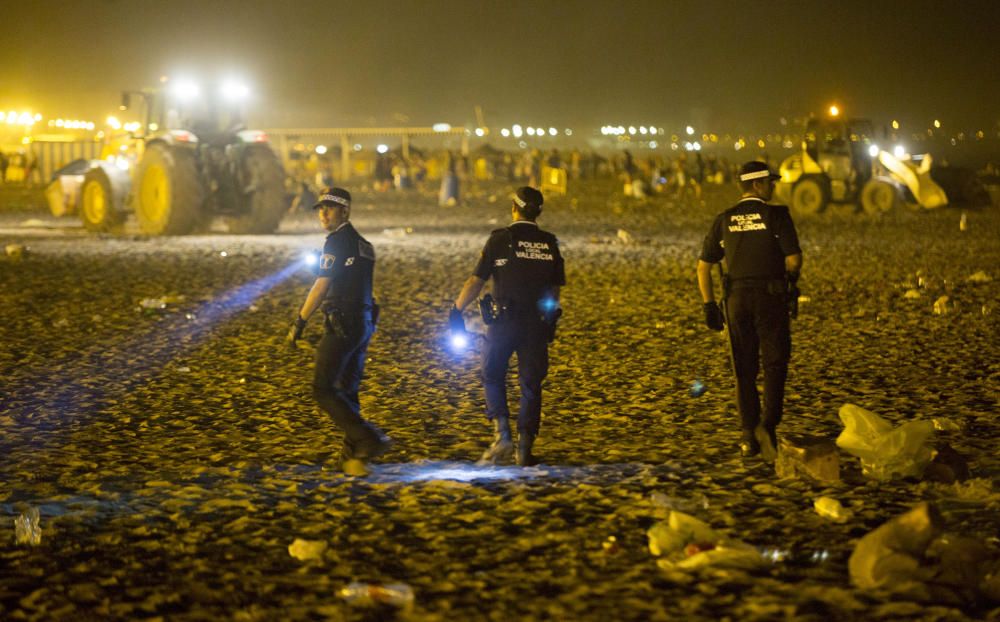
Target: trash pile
column 886, row 452
column 686, row 543
column 911, row 555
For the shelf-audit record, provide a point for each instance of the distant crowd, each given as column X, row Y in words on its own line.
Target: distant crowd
column 684, row 174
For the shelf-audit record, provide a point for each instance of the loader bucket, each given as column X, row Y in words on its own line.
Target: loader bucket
column 917, row 179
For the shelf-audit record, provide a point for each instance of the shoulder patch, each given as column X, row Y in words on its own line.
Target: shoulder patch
column 326, row 261
column 365, row 249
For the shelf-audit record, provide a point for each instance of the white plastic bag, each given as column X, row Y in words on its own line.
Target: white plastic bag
column 678, row 531
column 886, row 452
column 691, row 544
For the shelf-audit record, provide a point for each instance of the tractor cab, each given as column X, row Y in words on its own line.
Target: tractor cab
column 839, row 149
column 212, row 117
column 188, row 160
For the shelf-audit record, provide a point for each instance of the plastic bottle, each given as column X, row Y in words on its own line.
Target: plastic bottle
column 28, row 528
column 828, row 507
column 152, row 303
column 366, row 594
column 698, row 388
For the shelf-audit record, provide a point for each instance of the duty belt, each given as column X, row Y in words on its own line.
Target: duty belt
column 347, row 306
column 772, row 285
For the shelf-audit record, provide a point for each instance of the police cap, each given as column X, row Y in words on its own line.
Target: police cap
column 756, row 169
column 333, row 197
column 529, row 201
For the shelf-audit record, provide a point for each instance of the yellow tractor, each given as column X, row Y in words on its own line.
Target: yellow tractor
column 840, row 162
column 189, row 160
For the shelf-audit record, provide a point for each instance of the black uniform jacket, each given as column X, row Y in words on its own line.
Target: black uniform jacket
column 525, row 264
column 349, row 260
column 754, row 238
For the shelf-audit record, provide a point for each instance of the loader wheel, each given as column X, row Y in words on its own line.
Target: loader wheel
column 809, row 197
column 878, row 197
column 169, row 195
column 265, row 195
column 97, row 208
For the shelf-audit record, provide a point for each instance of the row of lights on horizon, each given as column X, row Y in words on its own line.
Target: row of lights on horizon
column 516, row 131
column 28, row 120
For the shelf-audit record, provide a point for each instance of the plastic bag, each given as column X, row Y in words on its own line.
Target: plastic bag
column 742, row 557
column 691, row 544
column 678, row 531
column 886, row 452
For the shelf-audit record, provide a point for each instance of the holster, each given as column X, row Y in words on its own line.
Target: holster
column 334, row 323
column 491, row 310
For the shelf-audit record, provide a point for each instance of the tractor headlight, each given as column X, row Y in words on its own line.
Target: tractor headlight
column 234, row 91
column 185, row 90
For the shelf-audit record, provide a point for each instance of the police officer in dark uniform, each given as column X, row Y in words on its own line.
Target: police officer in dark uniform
column 343, row 291
column 527, row 271
column 760, row 247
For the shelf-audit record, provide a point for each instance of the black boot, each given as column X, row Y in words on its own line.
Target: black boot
column 376, row 444
column 524, row 456
column 502, row 449
column 768, row 440
column 749, row 446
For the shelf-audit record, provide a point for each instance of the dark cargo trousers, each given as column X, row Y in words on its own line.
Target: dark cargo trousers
column 340, row 364
column 528, row 337
column 761, row 335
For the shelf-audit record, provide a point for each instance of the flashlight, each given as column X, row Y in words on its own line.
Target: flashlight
column 458, row 338
column 459, row 341
column 309, row 259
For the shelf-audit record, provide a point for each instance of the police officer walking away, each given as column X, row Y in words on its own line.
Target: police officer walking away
column 343, row 291
column 527, row 271
column 761, row 250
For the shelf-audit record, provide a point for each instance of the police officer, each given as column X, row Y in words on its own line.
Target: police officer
column 527, row 271
column 343, row 291
column 760, row 247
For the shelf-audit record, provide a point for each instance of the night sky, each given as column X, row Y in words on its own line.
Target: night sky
column 725, row 66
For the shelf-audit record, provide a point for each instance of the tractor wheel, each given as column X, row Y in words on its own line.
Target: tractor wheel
column 879, row 196
column 169, row 194
column 97, row 207
column 809, row 197
column 265, row 180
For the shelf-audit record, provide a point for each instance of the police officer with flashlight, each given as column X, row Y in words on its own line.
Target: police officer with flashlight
column 343, row 291
column 760, row 247
column 527, row 271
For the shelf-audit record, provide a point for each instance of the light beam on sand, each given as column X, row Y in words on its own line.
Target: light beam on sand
column 143, row 357
column 471, row 472
column 449, row 471
column 242, row 297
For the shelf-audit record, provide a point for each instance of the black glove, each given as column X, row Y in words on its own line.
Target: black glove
column 713, row 316
column 295, row 332
column 456, row 324
column 793, row 294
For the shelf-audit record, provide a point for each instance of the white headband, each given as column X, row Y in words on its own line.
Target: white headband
column 755, row 175
column 334, row 199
